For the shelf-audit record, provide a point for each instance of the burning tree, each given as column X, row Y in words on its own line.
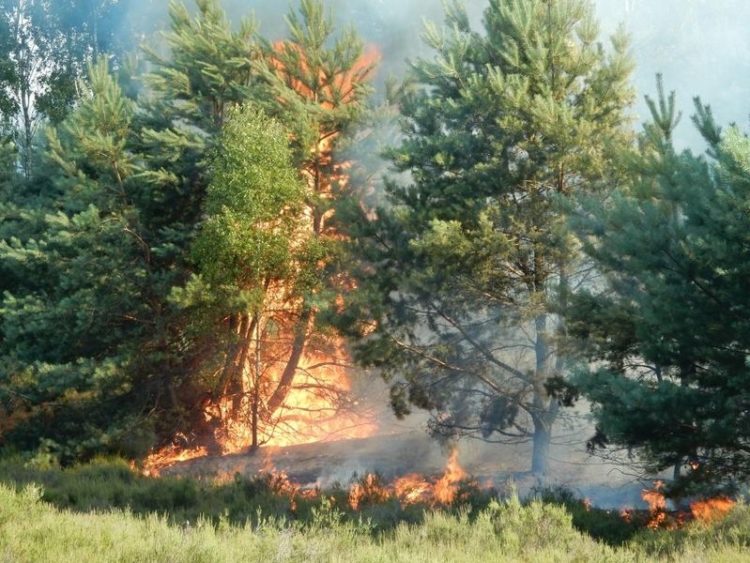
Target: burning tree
column 266, row 246
column 464, row 273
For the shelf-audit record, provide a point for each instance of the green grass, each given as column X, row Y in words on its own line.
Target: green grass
column 30, row 530
column 105, row 512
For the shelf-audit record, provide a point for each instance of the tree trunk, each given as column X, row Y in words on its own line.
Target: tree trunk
column 542, row 439
column 542, row 414
column 255, row 405
column 290, row 370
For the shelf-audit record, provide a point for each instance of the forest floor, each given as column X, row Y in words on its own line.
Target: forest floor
column 607, row 484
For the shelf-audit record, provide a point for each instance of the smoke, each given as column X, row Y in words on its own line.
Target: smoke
column 700, row 46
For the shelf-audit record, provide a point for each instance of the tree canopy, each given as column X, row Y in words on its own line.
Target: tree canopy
column 464, row 272
column 667, row 328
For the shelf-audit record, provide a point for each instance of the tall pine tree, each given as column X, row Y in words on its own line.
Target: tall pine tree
column 669, row 330
column 316, row 84
column 463, row 275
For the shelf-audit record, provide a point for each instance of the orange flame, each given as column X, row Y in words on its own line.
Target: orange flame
column 168, row 456
column 412, row 488
column 705, row 511
column 711, row 510
column 368, row 490
column 337, row 86
column 447, row 487
column 657, row 506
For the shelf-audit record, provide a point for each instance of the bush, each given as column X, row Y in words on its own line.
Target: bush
column 603, row 525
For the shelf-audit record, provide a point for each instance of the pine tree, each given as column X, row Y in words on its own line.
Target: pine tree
column 122, row 207
column 78, row 313
column 463, row 275
column 669, row 329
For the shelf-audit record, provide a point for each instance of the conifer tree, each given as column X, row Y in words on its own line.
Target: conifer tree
column 77, row 317
column 464, row 273
column 128, row 180
column 668, row 332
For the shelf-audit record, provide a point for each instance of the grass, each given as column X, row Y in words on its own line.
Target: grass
column 105, row 512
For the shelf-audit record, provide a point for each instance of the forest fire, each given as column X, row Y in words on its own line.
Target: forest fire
column 318, row 408
column 660, row 518
column 412, row 488
column 441, row 489
column 282, row 382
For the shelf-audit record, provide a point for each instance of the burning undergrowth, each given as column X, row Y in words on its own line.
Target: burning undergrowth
column 662, row 517
column 371, row 503
column 454, row 485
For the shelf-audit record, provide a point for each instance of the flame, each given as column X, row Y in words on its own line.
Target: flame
column 447, row 487
column 627, row 514
column 334, row 87
column 657, row 506
column 317, row 409
column 280, row 483
column 168, row 456
column 711, row 510
column 369, row 490
column 412, row 488
column 415, row 488
column 705, row 511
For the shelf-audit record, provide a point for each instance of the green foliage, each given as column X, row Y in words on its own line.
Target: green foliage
column 208, row 68
column 252, row 206
column 44, row 49
column 464, row 271
column 671, row 322
column 316, row 83
column 96, row 355
column 603, row 525
column 81, row 271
